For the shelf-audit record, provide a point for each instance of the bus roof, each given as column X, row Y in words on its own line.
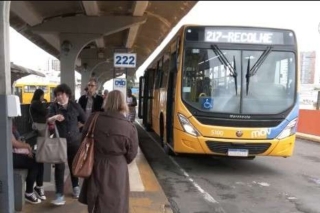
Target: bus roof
column 36, row 84
column 236, row 26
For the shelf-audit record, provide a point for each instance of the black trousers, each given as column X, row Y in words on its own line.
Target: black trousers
column 72, row 149
column 35, row 170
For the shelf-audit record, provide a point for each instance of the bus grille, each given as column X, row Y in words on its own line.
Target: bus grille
column 238, row 123
column 222, row 147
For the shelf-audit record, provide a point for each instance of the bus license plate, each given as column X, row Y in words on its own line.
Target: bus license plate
column 238, row 152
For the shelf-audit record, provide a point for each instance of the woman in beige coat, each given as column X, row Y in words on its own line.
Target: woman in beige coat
column 116, row 145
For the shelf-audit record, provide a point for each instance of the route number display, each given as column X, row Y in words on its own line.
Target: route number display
column 125, row 60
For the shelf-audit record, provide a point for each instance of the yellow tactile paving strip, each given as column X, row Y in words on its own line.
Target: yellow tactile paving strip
column 151, row 200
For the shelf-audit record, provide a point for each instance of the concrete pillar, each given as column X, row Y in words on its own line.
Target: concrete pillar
column 6, row 166
column 71, row 45
column 100, row 85
column 85, row 76
column 92, row 65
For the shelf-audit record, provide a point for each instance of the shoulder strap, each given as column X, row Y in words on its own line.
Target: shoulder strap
column 92, row 125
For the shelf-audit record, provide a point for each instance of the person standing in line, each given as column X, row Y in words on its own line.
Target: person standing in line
column 38, row 112
column 132, row 103
column 105, row 95
column 65, row 114
column 91, row 102
column 115, row 146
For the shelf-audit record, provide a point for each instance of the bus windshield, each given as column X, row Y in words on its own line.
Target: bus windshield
column 231, row 81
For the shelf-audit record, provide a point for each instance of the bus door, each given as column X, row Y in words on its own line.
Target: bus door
column 141, row 96
column 171, row 99
column 145, row 98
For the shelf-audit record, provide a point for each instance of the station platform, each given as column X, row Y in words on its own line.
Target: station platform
column 146, row 194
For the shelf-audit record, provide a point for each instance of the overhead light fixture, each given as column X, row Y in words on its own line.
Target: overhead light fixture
column 101, row 54
column 66, row 47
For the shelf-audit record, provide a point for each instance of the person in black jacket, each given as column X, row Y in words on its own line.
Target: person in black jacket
column 91, row 102
column 65, row 114
column 38, row 112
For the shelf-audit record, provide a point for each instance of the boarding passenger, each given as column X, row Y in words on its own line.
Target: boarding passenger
column 115, row 146
column 91, row 102
column 105, row 95
column 65, row 114
column 38, row 112
column 132, row 103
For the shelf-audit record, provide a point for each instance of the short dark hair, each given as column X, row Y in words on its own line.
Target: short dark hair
column 63, row 88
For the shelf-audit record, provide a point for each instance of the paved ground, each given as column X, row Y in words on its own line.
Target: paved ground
column 197, row 184
column 146, row 195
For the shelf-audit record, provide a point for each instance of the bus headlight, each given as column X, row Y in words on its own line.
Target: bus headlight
column 187, row 126
column 289, row 130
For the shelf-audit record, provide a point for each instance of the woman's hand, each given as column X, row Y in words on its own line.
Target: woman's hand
column 59, row 117
column 80, row 125
column 30, row 154
column 54, row 118
column 27, row 146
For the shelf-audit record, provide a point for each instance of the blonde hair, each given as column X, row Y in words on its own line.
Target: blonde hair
column 116, row 102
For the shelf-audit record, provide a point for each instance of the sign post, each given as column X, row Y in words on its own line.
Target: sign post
column 123, row 60
column 120, row 84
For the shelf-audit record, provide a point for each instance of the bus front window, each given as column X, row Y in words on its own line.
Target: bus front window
column 217, row 81
column 271, row 87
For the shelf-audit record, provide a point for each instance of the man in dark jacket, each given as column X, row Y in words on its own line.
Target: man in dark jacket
column 91, row 102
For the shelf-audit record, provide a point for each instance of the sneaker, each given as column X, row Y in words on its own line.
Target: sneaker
column 32, row 198
column 40, row 193
column 76, row 192
column 59, row 200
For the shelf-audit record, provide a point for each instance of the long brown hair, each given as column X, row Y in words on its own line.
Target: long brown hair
column 116, row 102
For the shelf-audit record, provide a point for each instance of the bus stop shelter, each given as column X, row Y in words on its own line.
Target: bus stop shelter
column 83, row 35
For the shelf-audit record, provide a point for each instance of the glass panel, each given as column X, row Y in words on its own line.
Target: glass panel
column 208, row 84
column 217, row 81
column 271, row 88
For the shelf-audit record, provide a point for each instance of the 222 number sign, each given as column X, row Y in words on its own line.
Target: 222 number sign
column 126, row 60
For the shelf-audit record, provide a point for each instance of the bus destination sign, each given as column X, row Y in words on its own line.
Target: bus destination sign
column 243, row 36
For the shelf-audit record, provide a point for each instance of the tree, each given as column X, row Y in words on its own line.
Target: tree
column 131, row 81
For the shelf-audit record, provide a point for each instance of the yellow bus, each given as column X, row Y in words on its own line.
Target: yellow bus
column 25, row 91
column 224, row 90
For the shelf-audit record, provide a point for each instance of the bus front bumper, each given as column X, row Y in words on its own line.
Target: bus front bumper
column 186, row 143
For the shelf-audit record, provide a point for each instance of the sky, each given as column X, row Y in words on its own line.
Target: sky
column 303, row 17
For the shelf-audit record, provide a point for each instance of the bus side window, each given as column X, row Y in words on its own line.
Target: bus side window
column 159, row 74
column 166, row 67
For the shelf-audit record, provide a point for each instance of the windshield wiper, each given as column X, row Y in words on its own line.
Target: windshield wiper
column 248, row 75
column 256, row 66
column 223, row 60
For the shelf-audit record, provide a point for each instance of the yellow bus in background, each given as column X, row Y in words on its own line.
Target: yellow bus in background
column 223, row 90
column 25, row 91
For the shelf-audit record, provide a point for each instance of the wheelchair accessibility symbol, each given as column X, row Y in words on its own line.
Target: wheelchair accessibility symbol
column 206, row 103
